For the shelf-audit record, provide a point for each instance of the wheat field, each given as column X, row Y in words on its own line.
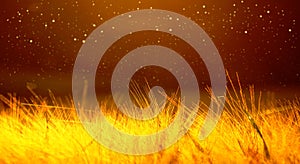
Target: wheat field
column 40, row 130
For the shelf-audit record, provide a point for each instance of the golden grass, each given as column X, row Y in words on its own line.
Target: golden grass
column 44, row 133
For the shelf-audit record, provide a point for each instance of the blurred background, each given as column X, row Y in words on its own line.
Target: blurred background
column 40, row 40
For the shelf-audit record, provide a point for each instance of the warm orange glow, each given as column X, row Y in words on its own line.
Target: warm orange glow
column 53, row 134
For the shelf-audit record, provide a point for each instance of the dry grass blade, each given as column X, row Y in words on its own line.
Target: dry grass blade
column 266, row 150
column 25, row 124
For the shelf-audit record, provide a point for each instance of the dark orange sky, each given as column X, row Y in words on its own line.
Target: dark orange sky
column 40, row 39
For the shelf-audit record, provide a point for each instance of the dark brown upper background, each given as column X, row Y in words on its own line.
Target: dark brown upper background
column 40, row 39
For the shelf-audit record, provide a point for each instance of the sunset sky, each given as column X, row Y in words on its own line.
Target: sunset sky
column 40, row 39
